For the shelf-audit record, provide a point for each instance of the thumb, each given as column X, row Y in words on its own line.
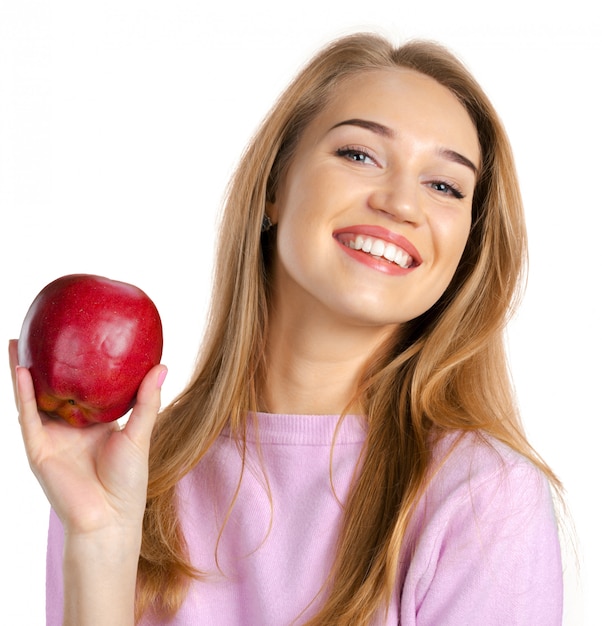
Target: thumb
column 148, row 402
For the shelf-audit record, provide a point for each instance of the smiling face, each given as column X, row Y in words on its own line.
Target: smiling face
column 374, row 210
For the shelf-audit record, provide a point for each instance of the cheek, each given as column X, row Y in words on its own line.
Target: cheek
column 304, row 226
column 296, row 250
column 294, row 229
column 451, row 236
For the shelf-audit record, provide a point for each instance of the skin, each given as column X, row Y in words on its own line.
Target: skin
column 331, row 310
column 95, row 478
column 341, row 307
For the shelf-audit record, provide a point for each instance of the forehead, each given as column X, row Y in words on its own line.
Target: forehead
column 402, row 99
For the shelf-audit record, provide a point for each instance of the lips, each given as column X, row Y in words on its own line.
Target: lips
column 380, row 248
column 380, row 244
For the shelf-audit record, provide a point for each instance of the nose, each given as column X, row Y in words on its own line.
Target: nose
column 398, row 196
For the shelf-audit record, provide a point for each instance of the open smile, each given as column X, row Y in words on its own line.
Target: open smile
column 380, row 248
column 380, row 244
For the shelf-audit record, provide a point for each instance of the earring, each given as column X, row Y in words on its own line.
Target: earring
column 266, row 224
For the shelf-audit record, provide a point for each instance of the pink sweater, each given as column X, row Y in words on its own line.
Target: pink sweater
column 484, row 541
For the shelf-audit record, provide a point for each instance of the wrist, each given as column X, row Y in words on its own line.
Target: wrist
column 99, row 577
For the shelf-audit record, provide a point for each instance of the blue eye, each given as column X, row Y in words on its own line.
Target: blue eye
column 357, row 155
column 447, row 189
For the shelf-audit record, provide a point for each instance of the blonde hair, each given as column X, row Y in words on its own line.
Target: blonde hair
column 445, row 370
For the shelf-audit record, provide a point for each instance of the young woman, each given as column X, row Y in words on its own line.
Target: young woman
column 348, row 450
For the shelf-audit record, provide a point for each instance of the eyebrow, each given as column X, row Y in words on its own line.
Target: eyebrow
column 375, row 127
column 456, row 157
column 385, row 131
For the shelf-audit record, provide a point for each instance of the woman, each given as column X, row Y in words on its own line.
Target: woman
column 348, row 450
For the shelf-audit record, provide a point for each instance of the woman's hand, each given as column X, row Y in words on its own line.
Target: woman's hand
column 94, row 477
column 96, row 480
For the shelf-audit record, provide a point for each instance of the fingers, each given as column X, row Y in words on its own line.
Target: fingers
column 148, row 402
column 139, row 426
column 25, row 396
column 13, row 360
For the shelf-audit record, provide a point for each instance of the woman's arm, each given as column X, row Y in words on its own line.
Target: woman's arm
column 95, row 479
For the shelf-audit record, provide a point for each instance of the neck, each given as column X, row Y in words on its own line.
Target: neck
column 314, row 362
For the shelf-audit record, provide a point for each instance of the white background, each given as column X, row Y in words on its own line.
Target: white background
column 120, row 122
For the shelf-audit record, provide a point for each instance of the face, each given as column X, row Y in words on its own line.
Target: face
column 374, row 211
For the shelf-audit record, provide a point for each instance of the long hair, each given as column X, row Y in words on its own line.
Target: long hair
column 445, row 370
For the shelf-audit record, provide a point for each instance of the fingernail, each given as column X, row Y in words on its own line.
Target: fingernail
column 161, row 378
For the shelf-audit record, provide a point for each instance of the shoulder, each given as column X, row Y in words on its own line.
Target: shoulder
column 485, row 502
column 483, row 542
column 476, row 467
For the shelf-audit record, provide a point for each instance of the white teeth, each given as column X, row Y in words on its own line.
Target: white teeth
column 390, row 252
column 380, row 248
column 402, row 259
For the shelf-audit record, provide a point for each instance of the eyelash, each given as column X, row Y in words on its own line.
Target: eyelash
column 350, row 152
column 451, row 189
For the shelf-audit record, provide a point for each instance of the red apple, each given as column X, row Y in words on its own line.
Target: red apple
column 88, row 342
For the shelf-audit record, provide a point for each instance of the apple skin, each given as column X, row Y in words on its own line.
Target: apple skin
column 88, row 342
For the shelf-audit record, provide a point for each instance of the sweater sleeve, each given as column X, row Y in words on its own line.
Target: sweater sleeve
column 487, row 551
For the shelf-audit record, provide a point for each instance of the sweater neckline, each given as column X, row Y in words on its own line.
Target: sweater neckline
column 298, row 429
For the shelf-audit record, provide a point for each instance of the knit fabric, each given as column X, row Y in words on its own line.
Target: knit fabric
column 482, row 547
